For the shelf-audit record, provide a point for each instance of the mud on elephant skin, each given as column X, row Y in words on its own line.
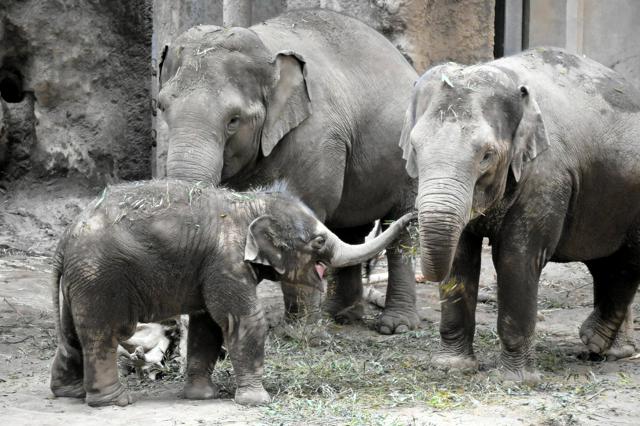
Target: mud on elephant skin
column 311, row 97
column 539, row 152
column 147, row 251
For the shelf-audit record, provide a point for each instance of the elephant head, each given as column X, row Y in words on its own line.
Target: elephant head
column 293, row 243
column 465, row 129
column 227, row 100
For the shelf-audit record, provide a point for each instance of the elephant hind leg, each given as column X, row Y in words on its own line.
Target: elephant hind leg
column 615, row 281
column 204, row 345
column 100, row 328
column 66, row 371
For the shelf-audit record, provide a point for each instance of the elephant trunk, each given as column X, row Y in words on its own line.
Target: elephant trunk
column 194, row 157
column 347, row 255
column 444, row 207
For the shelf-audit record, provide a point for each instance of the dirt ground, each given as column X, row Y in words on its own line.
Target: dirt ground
column 355, row 377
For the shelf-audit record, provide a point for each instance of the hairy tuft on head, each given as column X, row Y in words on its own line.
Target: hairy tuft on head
column 280, row 186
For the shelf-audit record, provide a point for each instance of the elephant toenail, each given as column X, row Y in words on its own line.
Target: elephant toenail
column 402, row 329
column 385, row 330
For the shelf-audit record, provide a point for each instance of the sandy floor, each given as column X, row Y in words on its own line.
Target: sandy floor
column 576, row 390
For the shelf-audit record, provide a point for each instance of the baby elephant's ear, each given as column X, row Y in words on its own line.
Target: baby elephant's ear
column 264, row 243
column 531, row 136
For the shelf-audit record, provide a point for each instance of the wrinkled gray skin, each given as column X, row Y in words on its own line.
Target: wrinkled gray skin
column 539, row 152
column 313, row 98
column 148, row 251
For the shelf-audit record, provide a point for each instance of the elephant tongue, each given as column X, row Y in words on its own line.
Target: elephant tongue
column 320, row 268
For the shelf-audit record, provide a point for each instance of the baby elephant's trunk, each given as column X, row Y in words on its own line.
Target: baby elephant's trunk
column 347, row 255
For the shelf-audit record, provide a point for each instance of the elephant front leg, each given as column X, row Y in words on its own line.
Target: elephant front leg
column 203, row 348
column 458, row 298
column 518, row 275
column 400, row 314
column 245, row 337
column 344, row 294
column 301, row 302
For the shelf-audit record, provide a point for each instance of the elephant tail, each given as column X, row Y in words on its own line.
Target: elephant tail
column 56, row 276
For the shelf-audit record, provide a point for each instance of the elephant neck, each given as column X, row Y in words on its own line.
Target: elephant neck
column 489, row 223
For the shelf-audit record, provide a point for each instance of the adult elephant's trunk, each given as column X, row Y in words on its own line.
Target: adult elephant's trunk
column 444, row 208
column 195, row 156
column 344, row 254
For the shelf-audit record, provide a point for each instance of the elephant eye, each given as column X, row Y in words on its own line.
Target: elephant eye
column 233, row 124
column 318, row 242
column 487, row 158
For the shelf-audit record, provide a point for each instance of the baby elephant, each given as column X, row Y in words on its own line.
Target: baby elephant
column 148, row 251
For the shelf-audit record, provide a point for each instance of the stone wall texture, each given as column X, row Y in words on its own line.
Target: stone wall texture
column 77, row 79
column 74, row 78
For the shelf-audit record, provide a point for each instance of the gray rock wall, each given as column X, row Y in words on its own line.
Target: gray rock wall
column 74, row 76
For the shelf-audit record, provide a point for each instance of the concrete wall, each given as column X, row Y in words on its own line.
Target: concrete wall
column 606, row 31
column 609, row 35
column 75, row 78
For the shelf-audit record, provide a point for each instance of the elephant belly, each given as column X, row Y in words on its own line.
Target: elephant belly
column 593, row 238
column 361, row 207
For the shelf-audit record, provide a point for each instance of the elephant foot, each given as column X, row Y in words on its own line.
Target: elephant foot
column 200, row 388
column 346, row 314
column 70, row 390
column 396, row 321
column 623, row 346
column 521, row 376
column 252, row 396
column 597, row 333
column 465, row 363
column 114, row 395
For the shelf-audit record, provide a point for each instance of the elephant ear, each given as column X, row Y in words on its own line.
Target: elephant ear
column 531, row 137
column 289, row 103
column 264, row 245
column 163, row 57
column 408, row 152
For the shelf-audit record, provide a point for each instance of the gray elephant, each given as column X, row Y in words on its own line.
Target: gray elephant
column 539, row 152
column 147, row 251
column 313, row 98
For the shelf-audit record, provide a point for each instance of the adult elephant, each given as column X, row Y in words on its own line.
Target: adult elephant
column 540, row 152
column 312, row 98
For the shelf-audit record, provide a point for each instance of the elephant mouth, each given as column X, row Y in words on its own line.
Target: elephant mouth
column 320, row 269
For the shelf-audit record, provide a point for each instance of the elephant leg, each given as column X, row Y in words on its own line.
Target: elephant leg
column 100, row 328
column 66, row 371
column 245, row 338
column 203, row 348
column 518, row 272
column 615, row 281
column 301, row 302
column 400, row 314
column 99, row 351
column 344, row 294
column 624, row 344
column 458, row 298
